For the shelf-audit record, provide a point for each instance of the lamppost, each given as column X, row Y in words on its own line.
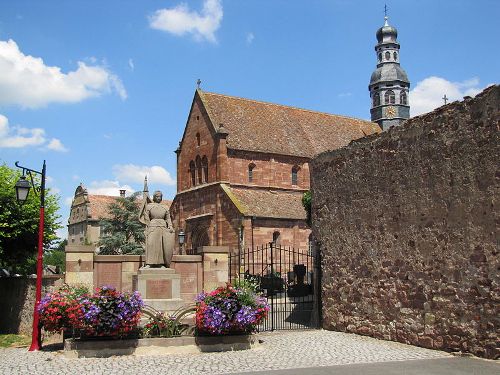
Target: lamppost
column 182, row 237
column 22, row 190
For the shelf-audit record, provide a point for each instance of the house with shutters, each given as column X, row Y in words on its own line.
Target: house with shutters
column 243, row 167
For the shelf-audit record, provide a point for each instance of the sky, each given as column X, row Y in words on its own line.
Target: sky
column 101, row 90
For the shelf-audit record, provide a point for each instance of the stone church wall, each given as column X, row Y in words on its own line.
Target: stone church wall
column 408, row 226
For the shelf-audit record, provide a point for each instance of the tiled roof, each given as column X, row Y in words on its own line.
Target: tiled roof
column 266, row 127
column 269, row 203
column 99, row 205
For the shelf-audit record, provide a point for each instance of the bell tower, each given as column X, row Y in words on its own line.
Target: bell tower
column 389, row 84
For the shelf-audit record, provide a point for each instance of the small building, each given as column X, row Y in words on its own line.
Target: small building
column 243, row 167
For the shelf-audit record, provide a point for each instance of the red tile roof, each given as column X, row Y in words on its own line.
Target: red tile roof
column 99, row 205
column 270, row 203
column 266, row 127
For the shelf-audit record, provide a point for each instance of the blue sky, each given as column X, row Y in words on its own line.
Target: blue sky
column 102, row 89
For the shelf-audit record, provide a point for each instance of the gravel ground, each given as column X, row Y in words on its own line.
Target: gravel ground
column 279, row 350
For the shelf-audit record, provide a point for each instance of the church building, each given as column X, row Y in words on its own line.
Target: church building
column 243, row 167
column 389, row 84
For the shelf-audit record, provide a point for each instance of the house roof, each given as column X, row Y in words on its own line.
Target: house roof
column 266, row 127
column 269, row 203
column 98, row 207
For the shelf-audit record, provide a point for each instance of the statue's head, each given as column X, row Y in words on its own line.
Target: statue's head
column 157, row 196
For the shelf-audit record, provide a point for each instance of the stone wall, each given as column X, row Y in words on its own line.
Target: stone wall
column 407, row 222
column 17, row 296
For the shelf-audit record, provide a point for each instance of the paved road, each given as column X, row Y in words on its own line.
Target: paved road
column 298, row 352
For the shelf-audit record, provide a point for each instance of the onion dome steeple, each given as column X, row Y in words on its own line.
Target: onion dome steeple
column 389, row 83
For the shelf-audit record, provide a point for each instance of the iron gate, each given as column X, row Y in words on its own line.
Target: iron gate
column 289, row 278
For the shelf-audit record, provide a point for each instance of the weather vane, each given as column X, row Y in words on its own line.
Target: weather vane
column 198, row 83
column 385, row 10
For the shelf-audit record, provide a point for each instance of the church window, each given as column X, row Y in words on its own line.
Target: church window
column 192, row 173
column 395, row 56
column 204, row 166
column 390, row 97
column 380, row 56
column 199, row 172
column 251, row 167
column 198, row 141
column 197, row 118
column 387, row 55
column 276, row 238
column 403, row 99
column 376, row 99
column 295, row 177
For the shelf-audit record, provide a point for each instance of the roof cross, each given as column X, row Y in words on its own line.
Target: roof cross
column 198, row 82
column 385, row 10
column 445, row 98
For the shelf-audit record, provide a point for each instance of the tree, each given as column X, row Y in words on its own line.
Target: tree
column 19, row 224
column 56, row 256
column 123, row 233
column 306, row 202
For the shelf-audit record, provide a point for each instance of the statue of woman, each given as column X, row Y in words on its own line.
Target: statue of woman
column 159, row 246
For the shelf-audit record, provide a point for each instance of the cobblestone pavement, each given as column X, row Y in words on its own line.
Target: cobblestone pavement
column 279, row 350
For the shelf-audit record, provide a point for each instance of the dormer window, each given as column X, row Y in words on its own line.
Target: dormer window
column 251, row 167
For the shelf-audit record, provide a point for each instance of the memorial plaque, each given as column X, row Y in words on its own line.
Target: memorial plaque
column 189, row 277
column 159, row 289
column 109, row 274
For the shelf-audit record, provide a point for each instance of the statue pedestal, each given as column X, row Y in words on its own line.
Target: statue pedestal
column 160, row 288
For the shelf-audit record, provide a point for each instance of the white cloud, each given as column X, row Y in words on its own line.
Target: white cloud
column 344, row 94
column 428, row 93
column 250, row 38
column 56, row 145
column 26, row 80
column 68, row 201
column 181, row 20
column 19, row 137
column 136, row 173
column 108, row 187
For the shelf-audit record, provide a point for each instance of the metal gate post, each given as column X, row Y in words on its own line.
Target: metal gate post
column 272, row 287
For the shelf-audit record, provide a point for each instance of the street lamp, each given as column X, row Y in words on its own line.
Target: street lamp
column 182, row 237
column 22, row 190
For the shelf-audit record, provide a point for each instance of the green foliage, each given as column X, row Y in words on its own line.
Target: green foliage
column 56, row 256
column 250, row 283
column 167, row 325
column 19, row 224
column 306, row 202
column 11, row 340
column 123, row 233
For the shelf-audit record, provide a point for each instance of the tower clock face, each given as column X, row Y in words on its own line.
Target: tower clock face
column 390, row 112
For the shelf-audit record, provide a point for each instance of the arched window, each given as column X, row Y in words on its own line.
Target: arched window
column 204, row 166
column 387, row 55
column 376, row 99
column 277, row 238
column 192, row 173
column 395, row 54
column 198, row 140
column 295, row 175
column 251, row 167
column 380, row 56
column 199, row 172
column 403, row 98
column 390, row 97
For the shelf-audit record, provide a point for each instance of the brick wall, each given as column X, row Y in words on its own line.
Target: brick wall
column 270, row 170
column 198, row 123
column 408, row 225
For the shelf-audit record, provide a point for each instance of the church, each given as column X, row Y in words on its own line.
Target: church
column 243, row 165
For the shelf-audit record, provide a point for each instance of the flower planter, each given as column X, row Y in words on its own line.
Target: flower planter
column 95, row 348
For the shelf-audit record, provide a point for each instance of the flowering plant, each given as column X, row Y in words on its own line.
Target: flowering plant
column 107, row 312
column 110, row 313
column 62, row 310
column 164, row 325
column 228, row 310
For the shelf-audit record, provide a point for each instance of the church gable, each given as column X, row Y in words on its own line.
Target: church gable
column 197, row 157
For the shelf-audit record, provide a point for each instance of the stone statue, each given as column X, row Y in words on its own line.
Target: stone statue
column 158, row 232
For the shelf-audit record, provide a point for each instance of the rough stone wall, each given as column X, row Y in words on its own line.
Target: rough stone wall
column 408, row 226
column 17, row 296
